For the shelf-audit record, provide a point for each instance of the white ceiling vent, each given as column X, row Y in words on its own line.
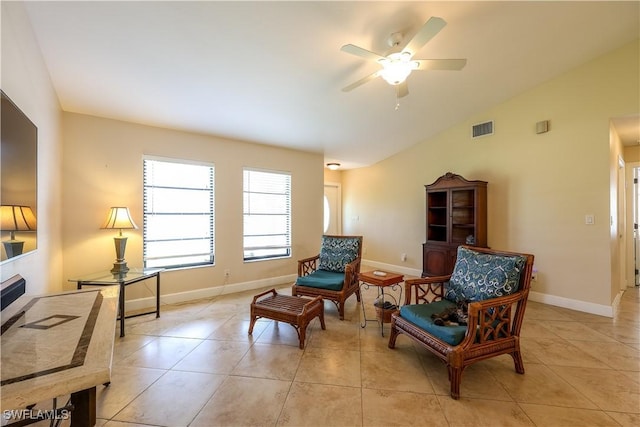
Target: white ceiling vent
column 482, row 129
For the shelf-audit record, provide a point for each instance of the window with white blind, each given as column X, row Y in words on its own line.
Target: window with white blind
column 267, row 214
column 178, row 213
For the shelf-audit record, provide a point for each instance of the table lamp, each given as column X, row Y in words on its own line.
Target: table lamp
column 16, row 218
column 119, row 218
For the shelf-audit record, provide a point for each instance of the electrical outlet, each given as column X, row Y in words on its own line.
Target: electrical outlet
column 403, row 257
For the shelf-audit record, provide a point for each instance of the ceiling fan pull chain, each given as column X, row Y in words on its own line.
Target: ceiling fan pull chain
column 397, row 101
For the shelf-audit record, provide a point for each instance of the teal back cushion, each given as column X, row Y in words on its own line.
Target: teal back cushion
column 337, row 252
column 478, row 276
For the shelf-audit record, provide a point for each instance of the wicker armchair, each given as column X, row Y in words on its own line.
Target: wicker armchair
column 496, row 286
column 332, row 274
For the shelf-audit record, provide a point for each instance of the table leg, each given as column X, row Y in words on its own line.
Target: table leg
column 84, row 408
column 121, row 309
column 364, row 314
column 382, row 311
column 157, row 295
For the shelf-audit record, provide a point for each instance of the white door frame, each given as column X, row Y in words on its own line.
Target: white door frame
column 622, row 224
column 633, row 213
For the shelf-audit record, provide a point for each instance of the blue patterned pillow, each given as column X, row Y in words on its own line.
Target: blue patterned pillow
column 478, row 276
column 337, row 252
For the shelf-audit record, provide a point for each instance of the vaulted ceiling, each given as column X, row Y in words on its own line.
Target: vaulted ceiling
column 272, row 72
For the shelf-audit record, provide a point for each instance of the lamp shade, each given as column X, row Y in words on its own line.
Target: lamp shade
column 17, row 218
column 119, row 218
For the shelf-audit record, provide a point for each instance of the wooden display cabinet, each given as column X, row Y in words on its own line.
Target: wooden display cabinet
column 456, row 214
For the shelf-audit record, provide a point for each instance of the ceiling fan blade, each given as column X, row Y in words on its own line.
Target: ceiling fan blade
column 402, row 89
column 426, row 33
column 360, row 82
column 440, row 64
column 363, row 53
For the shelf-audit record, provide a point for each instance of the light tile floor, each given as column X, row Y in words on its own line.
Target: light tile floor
column 197, row 366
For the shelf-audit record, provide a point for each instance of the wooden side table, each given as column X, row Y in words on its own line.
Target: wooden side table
column 296, row 311
column 382, row 280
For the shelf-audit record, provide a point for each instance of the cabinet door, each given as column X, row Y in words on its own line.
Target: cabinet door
column 437, row 260
column 463, row 215
column 437, row 216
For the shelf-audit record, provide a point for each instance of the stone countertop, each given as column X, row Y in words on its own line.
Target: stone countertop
column 54, row 345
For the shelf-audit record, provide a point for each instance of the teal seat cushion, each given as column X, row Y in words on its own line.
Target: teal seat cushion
column 420, row 315
column 478, row 276
column 337, row 252
column 322, row 279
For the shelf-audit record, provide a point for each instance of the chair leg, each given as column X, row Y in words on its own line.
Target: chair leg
column 341, row 310
column 253, row 322
column 302, row 335
column 455, row 377
column 517, row 360
column 392, row 336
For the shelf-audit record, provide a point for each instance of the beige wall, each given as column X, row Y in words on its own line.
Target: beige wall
column 632, row 154
column 103, row 168
column 541, row 186
column 332, row 176
column 25, row 80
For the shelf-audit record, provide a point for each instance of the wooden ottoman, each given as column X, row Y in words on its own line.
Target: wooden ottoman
column 296, row 311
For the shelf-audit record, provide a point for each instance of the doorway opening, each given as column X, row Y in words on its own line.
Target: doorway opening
column 332, row 209
column 636, row 221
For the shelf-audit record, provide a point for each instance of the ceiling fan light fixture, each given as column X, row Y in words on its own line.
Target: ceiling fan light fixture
column 397, row 68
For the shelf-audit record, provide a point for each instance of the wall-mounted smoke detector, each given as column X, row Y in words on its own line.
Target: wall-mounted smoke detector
column 482, row 129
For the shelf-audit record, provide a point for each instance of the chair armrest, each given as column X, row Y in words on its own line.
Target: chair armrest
column 425, row 289
column 351, row 272
column 495, row 318
column 307, row 266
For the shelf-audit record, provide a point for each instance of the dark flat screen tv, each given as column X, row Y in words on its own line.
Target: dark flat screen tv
column 18, row 179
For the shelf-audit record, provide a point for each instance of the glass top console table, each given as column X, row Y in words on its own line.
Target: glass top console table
column 134, row 275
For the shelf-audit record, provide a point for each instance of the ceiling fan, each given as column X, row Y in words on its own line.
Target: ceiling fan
column 397, row 66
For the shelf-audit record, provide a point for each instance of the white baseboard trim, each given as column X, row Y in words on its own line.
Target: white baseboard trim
column 587, row 307
column 178, row 297
column 394, row 268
